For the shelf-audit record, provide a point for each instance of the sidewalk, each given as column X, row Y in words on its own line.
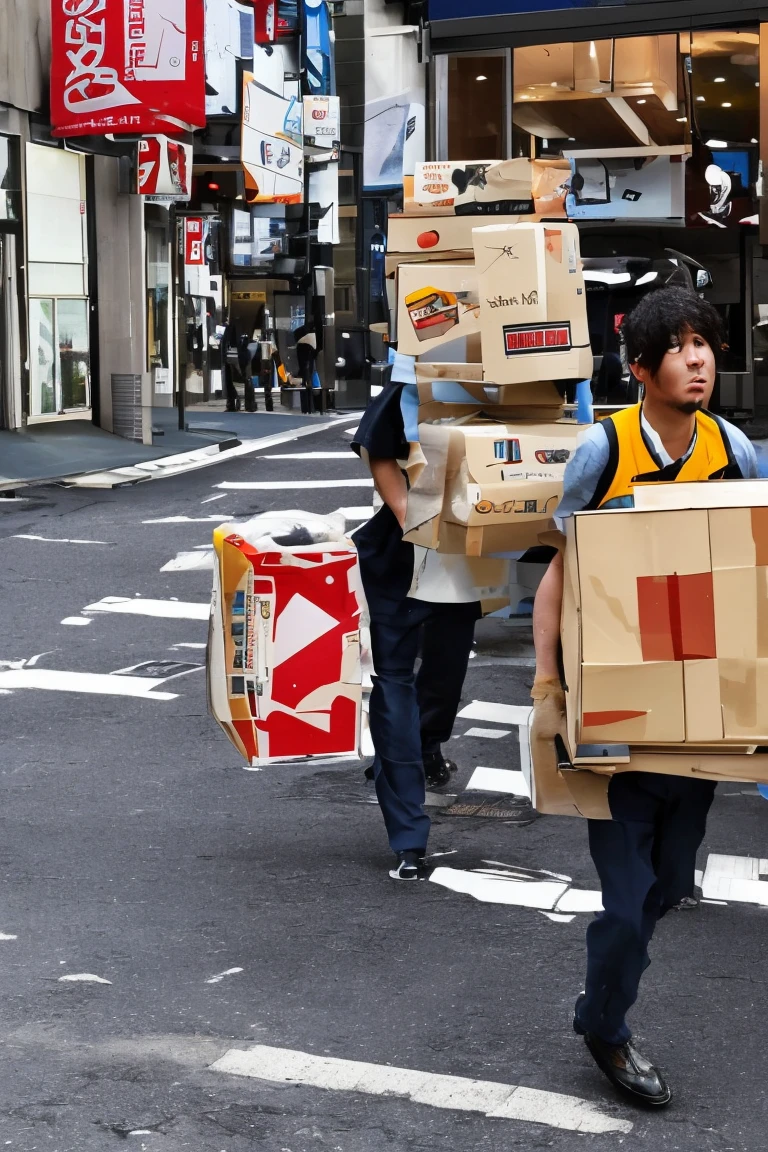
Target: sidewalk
column 77, row 448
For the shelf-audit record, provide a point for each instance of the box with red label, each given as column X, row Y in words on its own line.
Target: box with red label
column 665, row 642
column 284, row 667
column 533, row 305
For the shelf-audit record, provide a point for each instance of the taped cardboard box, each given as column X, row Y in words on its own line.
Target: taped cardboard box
column 518, row 186
column 436, row 303
column 284, row 666
column 426, row 235
column 533, row 303
column 486, row 486
column 465, row 384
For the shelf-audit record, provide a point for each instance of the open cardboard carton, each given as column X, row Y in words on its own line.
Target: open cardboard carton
column 533, row 304
column 487, row 486
column 436, row 303
column 665, row 642
column 436, row 234
column 460, row 390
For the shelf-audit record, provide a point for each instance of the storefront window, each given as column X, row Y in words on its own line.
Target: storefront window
column 472, row 106
column 60, row 376
column 10, row 181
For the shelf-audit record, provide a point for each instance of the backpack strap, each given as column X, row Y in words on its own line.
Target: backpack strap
column 609, row 472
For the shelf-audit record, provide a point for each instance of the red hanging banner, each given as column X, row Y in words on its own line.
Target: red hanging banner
column 127, row 66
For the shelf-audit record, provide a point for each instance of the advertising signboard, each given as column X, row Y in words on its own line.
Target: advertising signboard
column 134, row 67
column 164, row 170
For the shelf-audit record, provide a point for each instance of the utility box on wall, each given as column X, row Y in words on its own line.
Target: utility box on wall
column 126, row 406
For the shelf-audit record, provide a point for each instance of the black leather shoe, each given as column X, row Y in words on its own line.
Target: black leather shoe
column 626, row 1069
column 437, row 770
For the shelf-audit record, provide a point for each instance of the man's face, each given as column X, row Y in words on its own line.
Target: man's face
column 686, row 375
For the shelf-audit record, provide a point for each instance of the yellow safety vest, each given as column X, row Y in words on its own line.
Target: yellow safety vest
column 630, row 460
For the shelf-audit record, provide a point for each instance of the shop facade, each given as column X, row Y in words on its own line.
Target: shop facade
column 655, row 113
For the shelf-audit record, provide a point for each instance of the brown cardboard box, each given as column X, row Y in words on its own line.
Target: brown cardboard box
column 518, row 186
column 436, row 303
column 665, row 640
column 430, row 234
column 487, row 486
column 450, row 384
column 533, row 303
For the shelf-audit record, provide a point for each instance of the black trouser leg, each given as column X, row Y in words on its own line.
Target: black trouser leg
column 446, row 641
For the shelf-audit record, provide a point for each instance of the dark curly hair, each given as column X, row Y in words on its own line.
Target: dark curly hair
column 664, row 316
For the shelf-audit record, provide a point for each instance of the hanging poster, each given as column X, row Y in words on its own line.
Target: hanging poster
column 127, row 66
column 164, row 170
column 272, row 144
column 229, row 31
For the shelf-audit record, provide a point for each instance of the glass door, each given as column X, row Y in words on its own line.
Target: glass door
column 60, row 368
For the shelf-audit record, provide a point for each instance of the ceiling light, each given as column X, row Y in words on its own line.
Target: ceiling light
column 682, row 120
column 754, row 140
column 700, row 99
column 481, row 77
column 757, row 83
column 571, row 139
column 641, row 101
column 719, row 79
column 726, row 105
column 716, row 143
column 553, row 84
column 531, row 87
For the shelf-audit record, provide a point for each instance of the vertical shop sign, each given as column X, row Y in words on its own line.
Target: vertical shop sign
column 164, row 170
column 194, row 246
column 127, row 66
column 265, row 27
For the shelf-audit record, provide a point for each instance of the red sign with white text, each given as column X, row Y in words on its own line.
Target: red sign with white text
column 127, row 66
column 194, row 242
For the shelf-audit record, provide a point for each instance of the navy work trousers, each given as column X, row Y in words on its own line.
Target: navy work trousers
column 645, row 858
column 411, row 715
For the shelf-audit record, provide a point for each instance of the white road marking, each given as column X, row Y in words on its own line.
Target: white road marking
column 494, row 886
column 51, row 540
column 495, row 713
column 76, row 621
column 210, row 499
column 174, row 646
column 197, row 561
column 488, row 733
column 221, row 975
column 163, row 609
column 580, row 900
column 498, row 780
column 280, row 485
column 222, row 519
column 558, row 917
column 82, row 978
column 5, row 936
column 348, row 455
column 458, row 1093
column 94, row 683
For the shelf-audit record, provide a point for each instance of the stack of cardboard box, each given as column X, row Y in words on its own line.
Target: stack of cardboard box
column 487, row 474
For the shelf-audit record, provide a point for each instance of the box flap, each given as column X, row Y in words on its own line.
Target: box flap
column 702, row 494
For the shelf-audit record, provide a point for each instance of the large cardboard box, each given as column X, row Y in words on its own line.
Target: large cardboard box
column 284, row 667
column 533, row 305
column 431, row 234
column 486, row 486
column 436, row 303
column 496, row 187
column 465, row 384
column 665, row 641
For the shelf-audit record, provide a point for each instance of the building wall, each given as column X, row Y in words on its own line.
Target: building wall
column 25, row 53
column 121, row 304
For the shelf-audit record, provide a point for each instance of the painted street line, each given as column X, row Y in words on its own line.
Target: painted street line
column 94, row 683
column 76, row 621
column 496, row 713
column 5, row 936
column 197, row 561
column 501, row 780
column 279, row 485
column 487, row 733
column 203, row 646
column 210, row 499
column 163, row 609
column 229, row 972
column 220, row 519
column 457, row 1093
column 82, row 978
column 522, row 887
column 53, row 540
column 298, row 456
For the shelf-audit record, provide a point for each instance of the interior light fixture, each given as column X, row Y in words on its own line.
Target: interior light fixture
column 700, row 99
column 716, row 143
column 481, row 77
column 592, row 49
column 754, row 140
column 719, row 80
column 642, row 101
column 682, row 120
column 571, row 139
column 726, row 105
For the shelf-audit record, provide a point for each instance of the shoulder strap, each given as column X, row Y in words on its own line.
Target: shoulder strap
column 732, row 471
column 612, row 465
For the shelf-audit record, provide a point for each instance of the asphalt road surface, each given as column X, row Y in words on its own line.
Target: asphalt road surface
column 196, row 956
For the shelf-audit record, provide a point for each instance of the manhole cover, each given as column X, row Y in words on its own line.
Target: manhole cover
column 490, row 805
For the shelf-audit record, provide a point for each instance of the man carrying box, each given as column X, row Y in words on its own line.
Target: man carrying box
column 413, row 594
column 646, row 854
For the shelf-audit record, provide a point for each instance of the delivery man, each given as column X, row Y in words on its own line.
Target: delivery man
column 413, row 594
column 645, row 855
